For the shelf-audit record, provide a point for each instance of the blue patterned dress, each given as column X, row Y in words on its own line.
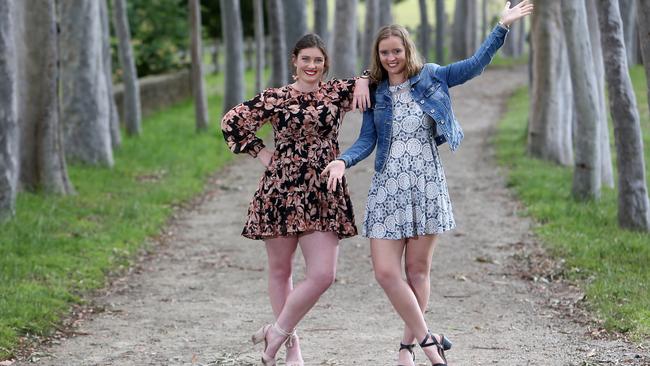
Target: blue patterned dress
column 409, row 197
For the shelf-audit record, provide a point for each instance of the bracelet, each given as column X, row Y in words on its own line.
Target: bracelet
column 503, row 25
column 365, row 74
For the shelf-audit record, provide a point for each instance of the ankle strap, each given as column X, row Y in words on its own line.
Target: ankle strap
column 433, row 341
column 289, row 335
column 408, row 347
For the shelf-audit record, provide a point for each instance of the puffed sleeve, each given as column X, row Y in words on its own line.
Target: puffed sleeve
column 241, row 123
column 344, row 88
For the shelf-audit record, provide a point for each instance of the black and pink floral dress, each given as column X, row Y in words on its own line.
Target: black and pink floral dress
column 292, row 198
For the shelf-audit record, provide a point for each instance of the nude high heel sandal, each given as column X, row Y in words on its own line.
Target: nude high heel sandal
column 260, row 336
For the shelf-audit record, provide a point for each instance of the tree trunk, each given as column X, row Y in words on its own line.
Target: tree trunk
column 84, row 95
column 633, row 205
column 113, row 116
column 234, row 48
column 484, row 18
column 510, row 45
column 295, row 13
column 551, row 97
column 320, row 19
column 606, row 170
column 425, row 32
column 628, row 10
column 643, row 22
column 586, row 174
column 441, row 19
column 132, row 109
column 385, row 13
column 278, row 46
column 258, row 14
column 198, row 87
column 42, row 160
column 8, row 114
column 464, row 42
column 344, row 52
column 372, row 19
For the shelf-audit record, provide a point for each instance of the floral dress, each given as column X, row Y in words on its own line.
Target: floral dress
column 292, row 198
column 409, row 196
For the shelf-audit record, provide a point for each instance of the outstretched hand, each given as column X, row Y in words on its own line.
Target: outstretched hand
column 334, row 173
column 510, row 15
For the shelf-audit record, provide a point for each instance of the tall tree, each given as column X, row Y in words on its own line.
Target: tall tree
column 234, row 48
column 586, row 173
column 198, row 87
column 385, row 13
column 643, row 22
column 425, row 32
column 372, row 19
column 628, row 10
column 441, row 19
column 606, row 169
column 484, row 18
column 344, row 52
column 132, row 110
column 551, row 110
column 295, row 13
column 320, row 20
column 513, row 46
column 8, row 113
column 113, row 115
column 258, row 14
column 278, row 46
column 84, row 95
column 633, row 205
column 464, row 41
column 42, row 161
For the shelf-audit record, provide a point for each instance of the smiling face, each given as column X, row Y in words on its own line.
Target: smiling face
column 310, row 65
column 392, row 57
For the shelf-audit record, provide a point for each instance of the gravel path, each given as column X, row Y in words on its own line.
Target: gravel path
column 200, row 296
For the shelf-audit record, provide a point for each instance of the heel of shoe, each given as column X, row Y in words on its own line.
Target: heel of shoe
column 260, row 335
column 446, row 343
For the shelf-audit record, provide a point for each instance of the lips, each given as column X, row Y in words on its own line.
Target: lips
column 311, row 73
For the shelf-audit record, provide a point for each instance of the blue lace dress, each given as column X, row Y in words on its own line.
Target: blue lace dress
column 409, row 197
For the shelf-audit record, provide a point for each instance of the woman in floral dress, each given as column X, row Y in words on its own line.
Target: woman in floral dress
column 408, row 203
column 293, row 206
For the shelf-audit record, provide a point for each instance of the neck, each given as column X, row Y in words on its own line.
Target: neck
column 396, row 79
column 305, row 87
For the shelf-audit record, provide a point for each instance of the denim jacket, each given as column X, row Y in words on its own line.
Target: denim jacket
column 429, row 88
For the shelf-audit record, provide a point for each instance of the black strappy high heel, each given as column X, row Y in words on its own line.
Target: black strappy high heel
column 408, row 347
column 428, row 341
column 446, row 343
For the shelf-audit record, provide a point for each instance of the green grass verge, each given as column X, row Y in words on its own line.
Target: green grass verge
column 57, row 249
column 610, row 263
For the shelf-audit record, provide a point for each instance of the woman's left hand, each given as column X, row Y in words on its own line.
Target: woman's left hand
column 510, row 15
column 361, row 97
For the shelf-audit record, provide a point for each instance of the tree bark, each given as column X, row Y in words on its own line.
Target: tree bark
column 84, row 95
column 484, row 18
column 8, row 114
column 464, row 41
column 633, row 205
column 551, row 111
column 320, row 20
column 606, row 169
column 441, row 19
column 198, row 87
column 344, row 52
column 278, row 46
column 258, row 14
column 295, row 13
column 372, row 19
column 234, row 48
column 425, row 31
column 113, row 115
column 586, row 173
column 132, row 109
column 385, row 13
column 628, row 11
column 643, row 22
column 42, row 160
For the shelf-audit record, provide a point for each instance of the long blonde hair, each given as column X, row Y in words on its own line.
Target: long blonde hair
column 413, row 60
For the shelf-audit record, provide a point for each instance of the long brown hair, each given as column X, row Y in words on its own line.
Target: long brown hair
column 413, row 60
column 311, row 40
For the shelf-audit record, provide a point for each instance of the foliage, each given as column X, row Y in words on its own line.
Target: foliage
column 211, row 18
column 610, row 263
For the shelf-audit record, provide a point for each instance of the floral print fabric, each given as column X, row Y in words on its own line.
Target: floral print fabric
column 292, row 198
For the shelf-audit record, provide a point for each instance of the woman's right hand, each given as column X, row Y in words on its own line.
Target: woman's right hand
column 265, row 156
column 335, row 169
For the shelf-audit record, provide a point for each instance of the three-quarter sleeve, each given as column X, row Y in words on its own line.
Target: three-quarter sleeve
column 344, row 88
column 241, row 123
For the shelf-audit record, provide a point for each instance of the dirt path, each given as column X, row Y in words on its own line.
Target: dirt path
column 202, row 295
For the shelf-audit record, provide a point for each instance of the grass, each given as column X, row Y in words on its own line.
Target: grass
column 57, row 249
column 610, row 263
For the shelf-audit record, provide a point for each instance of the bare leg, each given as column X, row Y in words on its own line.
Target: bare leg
column 387, row 263
column 280, row 252
column 417, row 263
column 320, row 250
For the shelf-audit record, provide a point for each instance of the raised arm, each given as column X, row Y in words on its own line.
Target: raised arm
column 241, row 123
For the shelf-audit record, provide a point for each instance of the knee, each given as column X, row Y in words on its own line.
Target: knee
column 417, row 276
column 280, row 271
column 323, row 279
column 386, row 277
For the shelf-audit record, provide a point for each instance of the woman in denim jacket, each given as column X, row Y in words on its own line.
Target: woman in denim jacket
column 408, row 203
